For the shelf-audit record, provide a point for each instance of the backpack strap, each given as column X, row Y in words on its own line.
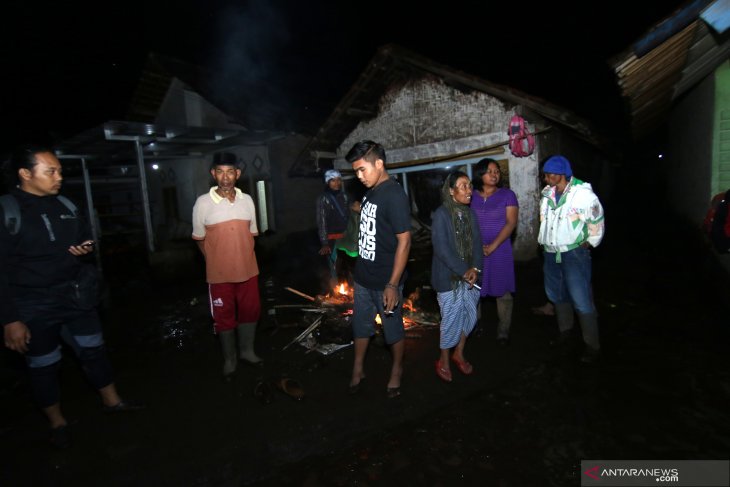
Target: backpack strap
column 68, row 204
column 11, row 212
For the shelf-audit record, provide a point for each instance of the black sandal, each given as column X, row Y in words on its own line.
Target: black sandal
column 393, row 392
column 262, row 391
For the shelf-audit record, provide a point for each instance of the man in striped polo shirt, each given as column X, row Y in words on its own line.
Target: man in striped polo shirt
column 224, row 227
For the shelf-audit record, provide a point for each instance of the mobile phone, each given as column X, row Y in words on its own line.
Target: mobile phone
column 88, row 244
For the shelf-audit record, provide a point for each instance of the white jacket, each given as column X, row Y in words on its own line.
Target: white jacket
column 575, row 219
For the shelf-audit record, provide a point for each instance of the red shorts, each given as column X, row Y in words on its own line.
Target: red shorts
column 232, row 303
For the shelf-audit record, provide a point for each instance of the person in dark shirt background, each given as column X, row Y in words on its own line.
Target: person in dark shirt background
column 333, row 211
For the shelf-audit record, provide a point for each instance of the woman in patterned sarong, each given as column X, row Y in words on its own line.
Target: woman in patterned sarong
column 457, row 256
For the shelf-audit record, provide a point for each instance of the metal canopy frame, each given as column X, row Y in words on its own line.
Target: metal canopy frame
column 123, row 142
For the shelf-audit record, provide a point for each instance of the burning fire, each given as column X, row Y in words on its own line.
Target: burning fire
column 408, row 305
column 342, row 291
column 408, row 302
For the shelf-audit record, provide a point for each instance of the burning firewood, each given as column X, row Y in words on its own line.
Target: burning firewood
column 341, row 298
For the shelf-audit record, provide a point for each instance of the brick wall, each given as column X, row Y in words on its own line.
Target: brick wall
column 427, row 110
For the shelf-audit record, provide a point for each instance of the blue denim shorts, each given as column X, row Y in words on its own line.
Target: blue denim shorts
column 368, row 303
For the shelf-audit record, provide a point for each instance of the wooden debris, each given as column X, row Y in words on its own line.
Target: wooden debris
column 299, row 293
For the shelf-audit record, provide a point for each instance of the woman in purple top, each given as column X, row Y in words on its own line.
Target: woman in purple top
column 496, row 210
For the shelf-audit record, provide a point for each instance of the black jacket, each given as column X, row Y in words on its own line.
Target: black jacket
column 38, row 256
column 330, row 218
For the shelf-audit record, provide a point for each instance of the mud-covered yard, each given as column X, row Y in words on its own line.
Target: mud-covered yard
column 528, row 416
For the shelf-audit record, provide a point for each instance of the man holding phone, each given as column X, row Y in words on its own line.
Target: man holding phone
column 46, row 288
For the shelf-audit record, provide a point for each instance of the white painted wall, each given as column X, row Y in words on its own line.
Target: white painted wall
column 524, row 178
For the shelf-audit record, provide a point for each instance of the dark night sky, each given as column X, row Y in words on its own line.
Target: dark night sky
column 72, row 67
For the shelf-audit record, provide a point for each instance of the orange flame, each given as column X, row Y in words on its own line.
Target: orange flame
column 408, row 323
column 341, row 289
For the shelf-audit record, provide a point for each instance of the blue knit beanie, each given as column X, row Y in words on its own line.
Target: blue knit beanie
column 558, row 165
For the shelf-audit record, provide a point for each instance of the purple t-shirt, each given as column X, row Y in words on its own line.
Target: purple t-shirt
column 498, row 272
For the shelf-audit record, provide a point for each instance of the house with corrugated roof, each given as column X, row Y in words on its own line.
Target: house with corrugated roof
column 142, row 175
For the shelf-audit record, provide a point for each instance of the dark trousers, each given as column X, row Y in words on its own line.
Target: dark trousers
column 48, row 312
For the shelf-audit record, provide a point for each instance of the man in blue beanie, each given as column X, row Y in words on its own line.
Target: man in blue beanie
column 571, row 223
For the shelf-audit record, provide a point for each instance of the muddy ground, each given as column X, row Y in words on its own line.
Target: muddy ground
column 527, row 417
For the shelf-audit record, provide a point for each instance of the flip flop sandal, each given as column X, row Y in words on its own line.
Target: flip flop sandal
column 444, row 375
column 262, row 391
column 463, row 366
column 393, row 392
column 290, row 387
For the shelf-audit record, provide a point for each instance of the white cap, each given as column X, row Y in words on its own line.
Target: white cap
column 331, row 174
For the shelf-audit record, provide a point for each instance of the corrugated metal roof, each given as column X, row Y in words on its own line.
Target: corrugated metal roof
column 681, row 56
column 114, row 141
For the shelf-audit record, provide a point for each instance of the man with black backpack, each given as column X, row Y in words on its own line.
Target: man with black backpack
column 46, row 288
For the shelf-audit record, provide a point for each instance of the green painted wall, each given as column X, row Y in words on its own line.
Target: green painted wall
column 721, row 140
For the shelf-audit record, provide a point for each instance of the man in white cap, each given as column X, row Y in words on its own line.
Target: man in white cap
column 571, row 223
column 333, row 210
